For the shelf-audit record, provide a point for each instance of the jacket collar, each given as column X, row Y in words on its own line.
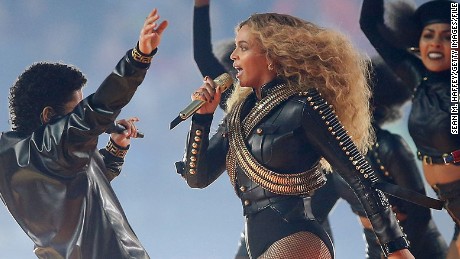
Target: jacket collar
column 267, row 88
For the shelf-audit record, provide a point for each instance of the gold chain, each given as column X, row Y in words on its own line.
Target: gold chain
column 287, row 184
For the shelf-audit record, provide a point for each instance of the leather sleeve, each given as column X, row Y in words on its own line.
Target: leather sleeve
column 322, row 129
column 63, row 146
column 404, row 64
column 207, row 62
column 399, row 160
column 119, row 87
column 113, row 163
column 204, row 159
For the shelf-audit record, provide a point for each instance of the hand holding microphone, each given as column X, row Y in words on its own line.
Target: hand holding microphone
column 124, row 130
column 205, row 94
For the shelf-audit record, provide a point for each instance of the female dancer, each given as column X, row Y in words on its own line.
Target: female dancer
column 430, row 71
column 280, row 122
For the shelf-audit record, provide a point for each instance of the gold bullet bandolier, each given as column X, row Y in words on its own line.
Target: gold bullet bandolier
column 238, row 154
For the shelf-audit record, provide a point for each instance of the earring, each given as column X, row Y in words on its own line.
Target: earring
column 270, row 66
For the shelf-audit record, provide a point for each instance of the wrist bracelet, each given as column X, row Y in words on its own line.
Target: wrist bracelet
column 116, row 150
column 139, row 57
column 395, row 245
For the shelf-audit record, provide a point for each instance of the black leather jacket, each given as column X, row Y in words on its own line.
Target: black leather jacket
column 394, row 162
column 53, row 181
column 290, row 139
column 432, row 96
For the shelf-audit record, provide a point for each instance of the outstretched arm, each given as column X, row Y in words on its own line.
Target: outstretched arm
column 72, row 138
column 207, row 62
column 407, row 66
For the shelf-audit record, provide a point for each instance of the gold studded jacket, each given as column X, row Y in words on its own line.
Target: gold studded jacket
column 54, row 181
column 289, row 140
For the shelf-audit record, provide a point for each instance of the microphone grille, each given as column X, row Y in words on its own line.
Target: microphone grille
column 223, row 81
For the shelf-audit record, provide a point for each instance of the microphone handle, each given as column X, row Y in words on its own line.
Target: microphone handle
column 117, row 128
column 223, row 82
column 194, row 106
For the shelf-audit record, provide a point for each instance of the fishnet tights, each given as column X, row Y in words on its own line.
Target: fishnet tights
column 299, row 245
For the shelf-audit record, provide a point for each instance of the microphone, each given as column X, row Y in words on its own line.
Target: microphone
column 223, row 81
column 117, row 128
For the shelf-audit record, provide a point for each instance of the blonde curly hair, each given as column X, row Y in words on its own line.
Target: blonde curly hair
column 308, row 56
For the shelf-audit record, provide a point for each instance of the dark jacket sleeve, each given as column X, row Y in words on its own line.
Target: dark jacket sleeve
column 207, row 62
column 404, row 64
column 64, row 145
column 204, row 159
column 331, row 140
column 114, row 158
column 399, row 161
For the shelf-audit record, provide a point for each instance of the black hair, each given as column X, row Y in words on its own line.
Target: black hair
column 405, row 22
column 42, row 84
column 389, row 92
column 222, row 50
